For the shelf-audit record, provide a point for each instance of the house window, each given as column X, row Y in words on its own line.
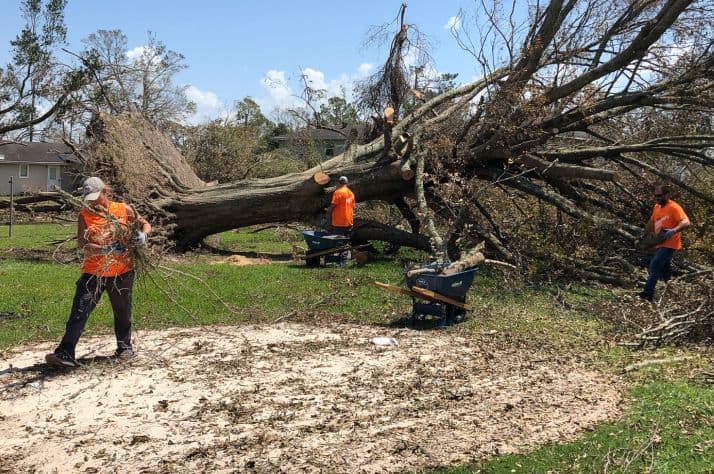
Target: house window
column 24, row 171
column 329, row 151
column 2, row 157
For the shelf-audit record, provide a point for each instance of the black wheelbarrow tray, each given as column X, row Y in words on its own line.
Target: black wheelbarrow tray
column 324, row 244
column 439, row 295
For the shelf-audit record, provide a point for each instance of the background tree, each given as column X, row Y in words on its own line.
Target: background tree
column 236, row 147
column 337, row 112
column 131, row 80
column 35, row 86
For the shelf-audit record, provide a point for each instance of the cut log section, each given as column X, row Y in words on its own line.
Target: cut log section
column 406, row 170
column 321, row 178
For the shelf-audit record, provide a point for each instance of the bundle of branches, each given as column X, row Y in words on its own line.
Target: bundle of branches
column 685, row 313
column 123, row 239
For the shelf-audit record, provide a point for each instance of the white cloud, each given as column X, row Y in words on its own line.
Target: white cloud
column 282, row 93
column 136, row 52
column 364, row 70
column 314, row 78
column 208, row 105
column 454, row 23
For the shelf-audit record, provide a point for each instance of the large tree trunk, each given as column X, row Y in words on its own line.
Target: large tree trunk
column 146, row 169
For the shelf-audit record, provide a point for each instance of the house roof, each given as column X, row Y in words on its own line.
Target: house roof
column 38, row 153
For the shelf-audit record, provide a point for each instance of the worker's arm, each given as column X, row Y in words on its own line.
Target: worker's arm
column 328, row 213
column 82, row 241
column 144, row 225
column 681, row 225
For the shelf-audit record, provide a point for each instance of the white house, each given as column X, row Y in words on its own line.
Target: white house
column 36, row 167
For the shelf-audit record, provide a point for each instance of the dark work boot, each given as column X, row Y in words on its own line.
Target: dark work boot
column 60, row 358
column 646, row 296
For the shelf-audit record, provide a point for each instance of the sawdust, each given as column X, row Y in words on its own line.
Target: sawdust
column 294, row 398
column 240, row 261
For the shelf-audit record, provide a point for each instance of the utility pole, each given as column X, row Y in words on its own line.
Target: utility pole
column 11, row 208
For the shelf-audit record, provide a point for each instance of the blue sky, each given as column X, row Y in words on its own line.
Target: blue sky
column 232, row 47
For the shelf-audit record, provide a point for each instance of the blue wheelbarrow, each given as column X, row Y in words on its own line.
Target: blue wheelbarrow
column 332, row 248
column 434, row 294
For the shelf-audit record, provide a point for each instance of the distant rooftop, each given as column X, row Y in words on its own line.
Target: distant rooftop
column 37, row 152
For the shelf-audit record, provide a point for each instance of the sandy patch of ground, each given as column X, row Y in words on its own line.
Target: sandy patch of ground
column 293, row 398
column 240, row 261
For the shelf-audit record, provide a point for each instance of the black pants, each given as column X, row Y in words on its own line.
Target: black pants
column 89, row 291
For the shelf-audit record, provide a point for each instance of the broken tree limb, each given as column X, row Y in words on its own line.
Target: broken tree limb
column 406, row 169
column 489, row 261
column 403, row 144
column 39, row 197
column 559, row 170
column 648, row 362
column 472, row 258
column 439, row 247
column 419, row 271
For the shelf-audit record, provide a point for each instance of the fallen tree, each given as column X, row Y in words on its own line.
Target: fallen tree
column 553, row 147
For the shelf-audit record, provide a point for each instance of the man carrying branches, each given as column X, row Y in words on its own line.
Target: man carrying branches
column 106, row 232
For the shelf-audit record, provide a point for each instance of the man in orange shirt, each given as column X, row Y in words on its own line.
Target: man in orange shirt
column 104, row 232
column 668, row 220
column 342, row 208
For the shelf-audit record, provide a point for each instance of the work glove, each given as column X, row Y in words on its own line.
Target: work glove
column 140, row 239
column 669, row 233
column 116, row 247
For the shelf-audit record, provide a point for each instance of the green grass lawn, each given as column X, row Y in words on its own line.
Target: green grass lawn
column 272, row 240
column 669, row 427
column 36, row 236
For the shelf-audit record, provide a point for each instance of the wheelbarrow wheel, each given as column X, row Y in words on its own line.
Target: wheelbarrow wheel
column 360, row 258
column 311, row 261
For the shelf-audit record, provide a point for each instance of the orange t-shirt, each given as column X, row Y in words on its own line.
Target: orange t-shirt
column 666, row 217
column 101, row 232
column 343, row 212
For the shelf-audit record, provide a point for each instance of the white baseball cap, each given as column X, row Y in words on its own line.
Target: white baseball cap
column 343, row 179
column 92, row 188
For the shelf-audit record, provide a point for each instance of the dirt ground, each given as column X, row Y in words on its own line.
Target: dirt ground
column 291, row 397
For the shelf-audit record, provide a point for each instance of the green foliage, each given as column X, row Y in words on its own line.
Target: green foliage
column 337, row 112
column 237, row 147
column 143, row 82
column 34, row 80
